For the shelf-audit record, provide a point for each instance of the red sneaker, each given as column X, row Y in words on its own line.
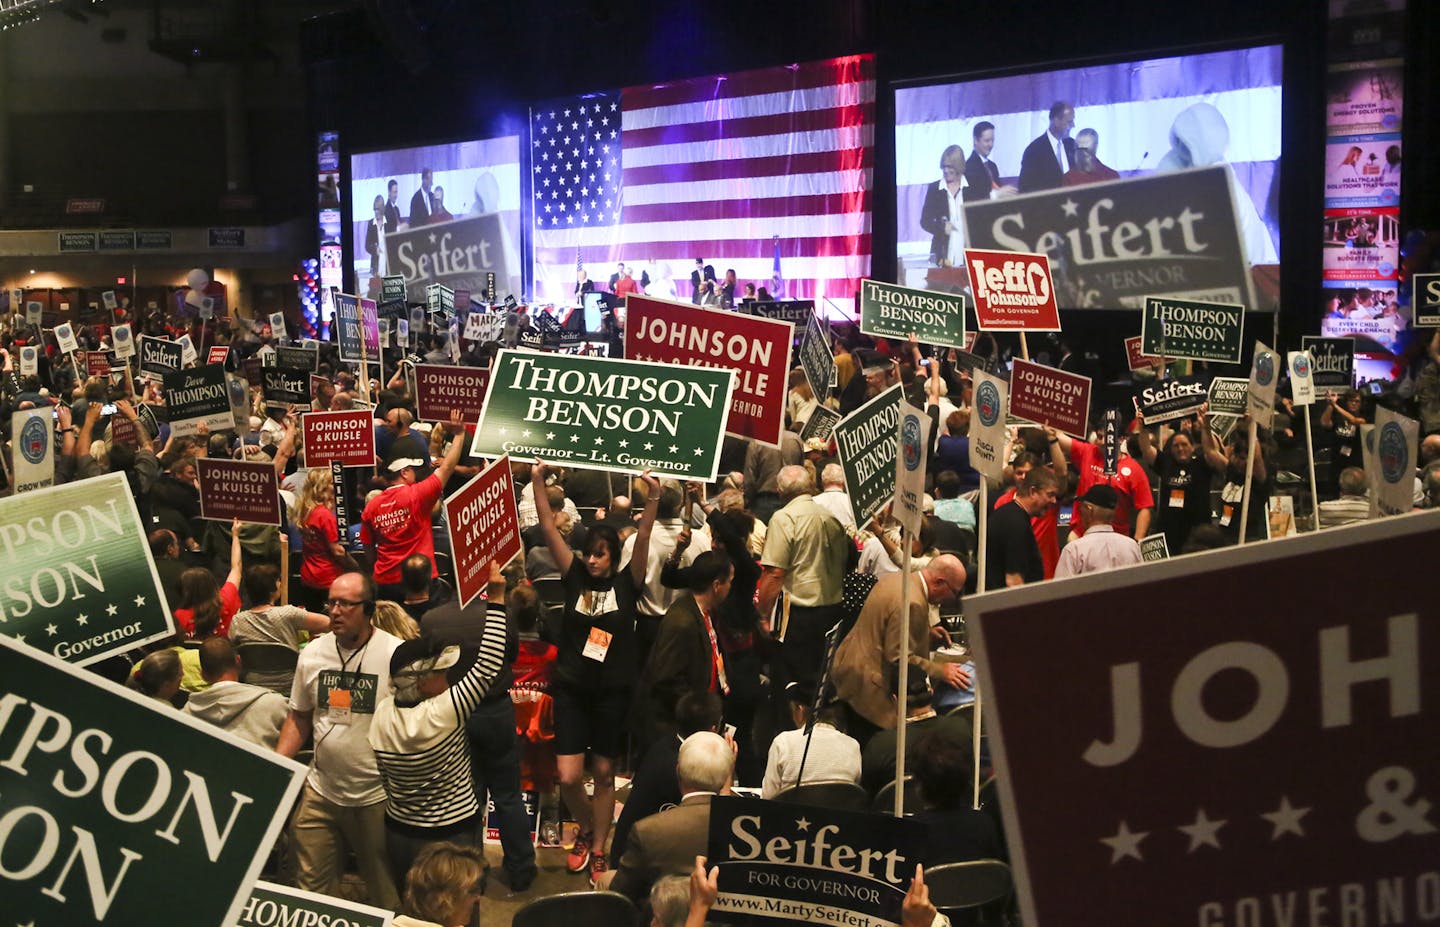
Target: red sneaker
column 579, row 856
column 598, row 865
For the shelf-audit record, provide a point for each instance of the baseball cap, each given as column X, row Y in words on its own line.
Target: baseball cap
column 1102, row 496
column 409, row 450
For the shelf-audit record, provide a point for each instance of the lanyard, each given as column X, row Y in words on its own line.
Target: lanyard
column 345, row 662
column 715, row 653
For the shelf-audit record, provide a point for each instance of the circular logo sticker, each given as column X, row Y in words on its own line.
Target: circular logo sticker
column 32, row 439
column 122, row 334
column 1302, row 366
column 910, row 442
column 987, row 404
column 1393, row 453
column 1264, row 368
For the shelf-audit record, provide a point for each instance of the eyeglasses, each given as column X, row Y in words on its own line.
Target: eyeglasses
column 342, row 603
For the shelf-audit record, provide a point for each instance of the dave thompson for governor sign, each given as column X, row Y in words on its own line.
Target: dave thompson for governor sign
column 1273, row 763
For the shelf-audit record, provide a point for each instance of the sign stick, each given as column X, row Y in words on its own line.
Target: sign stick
column 1249, row 478
column 904, row 681
column 130, row 380
column 981, row 518
column 201, row 345
column 284, row 567
column 364, row 365
column 1310, row 456
column 1024, row 347
column 75, row 362
column 975, row 746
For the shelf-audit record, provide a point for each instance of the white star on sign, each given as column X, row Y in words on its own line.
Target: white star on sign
column 139, row 601
column 699, row 452
column 1286, row 819
column 1124, row 843
column 20, row 638
column 1204, row 831
column 432, row 238
column 574, row 439
column 525, row 433
column 504, row 431
column 82, row 620
column 649, row 446
column 1069, row 207
column 51, row 630
column 599, row 440
column 624, row 443
column 674, row 448
column 802, row 824
column 111, row 610
column 549, row 436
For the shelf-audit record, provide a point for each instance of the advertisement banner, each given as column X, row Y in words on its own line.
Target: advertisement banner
column 1361, row 244
column 115, row 803
column 1171, row 234
column 1264, row 375
column 1302, row 381
column 989, row 444
column 914, row 438
column 816, row 358
column 1392, row 465
column 286, row 386
column 355, row 315
column 484, row 526
column 441, row 390
column 1363, row 170
column 1333, row 361
column 1426, row 299
column 890, row 311
column 458, row 254
column 866, row 439
column 1013, row 291
column 271, row 905
column 32, row 463
column 77, row 579
column 1364, row 96
column 247, row 490
column 1048, row 396
column 1192, row 329
column 346, row 437
column 757, row 349
column 1347, row 672
column 1170, row 399
column 821, row 424
column 1139, row 360
column 197, row 395
column 618, row 415
column 777, row 865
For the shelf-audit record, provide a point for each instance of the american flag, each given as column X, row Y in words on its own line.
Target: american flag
column 714, row 168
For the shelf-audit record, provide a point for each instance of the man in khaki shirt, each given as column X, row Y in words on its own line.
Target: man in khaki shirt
column 806, row 555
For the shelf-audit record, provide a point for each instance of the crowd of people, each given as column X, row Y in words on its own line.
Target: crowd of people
column 673, row 634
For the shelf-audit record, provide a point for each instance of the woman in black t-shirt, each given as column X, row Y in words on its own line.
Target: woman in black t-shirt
column 596, row 665
column 1185, row 480
column 1342, row 417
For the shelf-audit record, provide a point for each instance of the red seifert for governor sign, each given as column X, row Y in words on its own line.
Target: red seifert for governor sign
column 484, row 526
column 243, row 489
column 346, row 437
column 1262, row 759
column 1013, row 291
column 1048, row 396
column 756, row 348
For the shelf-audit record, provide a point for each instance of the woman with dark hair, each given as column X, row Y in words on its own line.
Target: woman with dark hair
column 944, row 767
column 597, row 665
column 952, row 451
column 205, row 609
column 266, row 620
column 1185, row 480
column 1342, row 417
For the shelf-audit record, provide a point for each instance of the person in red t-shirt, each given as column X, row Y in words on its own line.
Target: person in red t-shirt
column 204, row 610
column 1046, row 525
column 396, row 523
column 1129, row 481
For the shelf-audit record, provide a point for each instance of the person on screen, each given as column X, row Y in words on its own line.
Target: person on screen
column 375, row 236
column 982, row 176
column 727, row 290
column 940, row 214
column 1390, row 176
column 440, row 213
column 487, row 195
column 626, row 284
column 663, row 284
column 583, row 284
column 1047, row 159
column 392, row 211
column 1352, row 158
column 616, row 277
column 1088, row 166
column 701, row 273
column 422, row 203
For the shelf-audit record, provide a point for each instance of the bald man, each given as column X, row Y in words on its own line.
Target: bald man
column 874, row 643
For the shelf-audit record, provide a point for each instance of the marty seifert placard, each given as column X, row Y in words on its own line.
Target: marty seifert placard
column 1260, row 765
column 484, row 526
column 868, row 441
column 114, row 807
column 757, row 349
column 1047, row 396
column 441, row 389
column 76, row 579
column 602, row 414
column 779, row 862
column 243, row 489
column 891, row 311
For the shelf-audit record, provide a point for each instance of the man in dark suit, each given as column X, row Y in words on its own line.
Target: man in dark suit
column 982, row 177
column 1047, row 159
column 701, row 273
column 392, row 211
column 667, row 843
column 422, row 203
column 686, row 657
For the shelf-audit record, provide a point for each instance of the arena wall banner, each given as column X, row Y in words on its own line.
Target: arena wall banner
column 198, row 395
column 867, row 440
column 77, row 579
column 1048, row 396
column 816, row 358
column 441, row 389
column 1013, row 291
column 756, row 348
column 1190, row 329
column 1171, row 234
column 271, row 905
column 243, row 489
column 1225, row 707
column 602, row 414
column 116, row 806
column 891, row 311
column 346, row 437
column 1334, row 361
column 782, row 863
column 484, row 526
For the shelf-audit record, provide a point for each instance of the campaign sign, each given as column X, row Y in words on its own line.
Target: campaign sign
column 891, row 311
column 486, row 326
column 1154, row 547
column 124, row 342
column 34, row 312
column 1302, row 379
column 457, row 254
column 277, row 325
column 355, row 315
column 1264, row 374
column 1139, row 360
column 1172, row 234
column 816, row 358
column 298, row 358
column 33, row 447
column 914, row 437
column 247, row 490
column 1229, row 708
column 1333, row 360
column 65, row 337
column 271, row 905
column 757, row 349
column 346, row 437
column 1110, row 430
column 392, row 288
column 1392, row 465
column 188, row 354
column 29, row 361
column 1167, row 400
column 97, row 364
column 795, row 311
column 218, row 354
column 1190, row 329
column 198, row 395
column 77, row 579
column 1228, row 395
column 440, row 300
column 866, row 439
column 1048, row 396
column 821, row 424
column 123, row 430
column 799, row 863
column 484, row 526
column 1013, row 292
column 604, row 414
column 285, row 386
column 441, row 390
column 114, row 803
column 1426, row 288
column 989, row 444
